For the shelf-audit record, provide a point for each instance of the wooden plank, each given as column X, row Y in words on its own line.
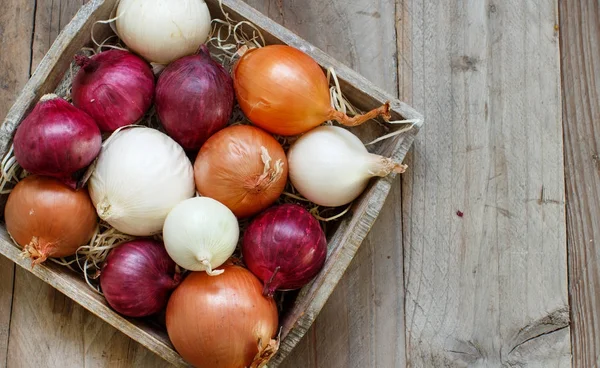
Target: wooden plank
column 16, row 25
column 580, row 34
column 105, row 346
column 362, row 322
column 44, row 319
column 487, row 287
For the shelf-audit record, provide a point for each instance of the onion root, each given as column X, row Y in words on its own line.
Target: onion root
column 265, row 354
column 37, row 251
column 103, row 209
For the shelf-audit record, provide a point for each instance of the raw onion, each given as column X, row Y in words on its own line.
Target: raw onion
column 194, row 99
column 49, row 219
column 242, row 167
column 331, row 167
column 284, row 91
column 285, row 247
column 162, row 31
column 222, row 322
column 57, row 139
column 140, row 175
column 137, row 278
column 200, row 234
column 114, row 87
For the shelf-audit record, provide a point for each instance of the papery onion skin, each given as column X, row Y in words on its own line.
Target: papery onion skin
column 138, row 277
column 49, row 219
column 285, row 247
column 200, row 234
column 194, row 99
column 331, row 167
column 114, row 87
column 230, row 168
column 162, row 31
column 217, row 322
column 140, row 175
column 284, row 91
column 57, row 139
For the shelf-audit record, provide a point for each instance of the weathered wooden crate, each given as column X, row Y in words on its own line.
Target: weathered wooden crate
column 342, row 243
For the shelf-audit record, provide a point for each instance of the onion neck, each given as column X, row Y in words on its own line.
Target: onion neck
column 176, row 279
column 172, row 282
column 383, row 166
column 37, row 250
column 205, row 52
column 270, row 286
column 205, row 262
column 86, row 63
column 383, row 111
column 71, row 183
column 270, row 174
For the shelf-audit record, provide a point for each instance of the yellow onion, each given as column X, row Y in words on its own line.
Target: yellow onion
column 242, row 167
column 222, row 321
column 284, row 91
column 49, row 219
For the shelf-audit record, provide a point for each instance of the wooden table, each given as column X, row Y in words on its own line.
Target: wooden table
column 485, row 241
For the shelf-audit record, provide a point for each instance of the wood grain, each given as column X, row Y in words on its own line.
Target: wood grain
column 16, row 25
column 44, row 320
column 580, row 34
column 488, row 288
column 343, row 245
column 362, row 323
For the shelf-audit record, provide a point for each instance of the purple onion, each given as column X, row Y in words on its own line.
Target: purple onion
column 285, row 247
column 138, row 277
column 57, row 139
column 114, row 87
column 194, row 99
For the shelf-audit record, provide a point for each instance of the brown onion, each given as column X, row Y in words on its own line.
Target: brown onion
column 243, row 167
column 284, row 91
column 49, row 219
column 222, row 321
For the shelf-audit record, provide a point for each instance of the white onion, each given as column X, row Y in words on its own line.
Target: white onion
column 140, row 175
column 200, row 234
column 331, row 167
column 162, row 31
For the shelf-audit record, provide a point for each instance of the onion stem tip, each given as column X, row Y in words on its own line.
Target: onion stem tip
column 400, row 168
column 48, row 96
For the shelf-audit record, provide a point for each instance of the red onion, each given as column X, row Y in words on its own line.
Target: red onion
column 57, row 139
column 285, row 247
column 137, row 278
column 194, row 99
column 114, row 87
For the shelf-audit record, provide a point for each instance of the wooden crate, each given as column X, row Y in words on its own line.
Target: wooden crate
column 342, row 244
